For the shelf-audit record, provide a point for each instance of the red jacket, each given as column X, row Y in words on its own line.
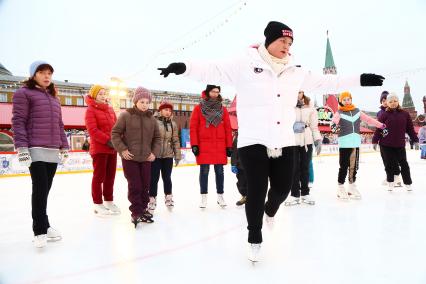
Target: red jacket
column 212, row 141
column 100, row 118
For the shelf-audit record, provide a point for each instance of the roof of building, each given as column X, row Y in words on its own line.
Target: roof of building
column 4, row 71
column 329, row 61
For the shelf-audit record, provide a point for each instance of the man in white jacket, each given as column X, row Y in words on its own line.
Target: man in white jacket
column 267, row 81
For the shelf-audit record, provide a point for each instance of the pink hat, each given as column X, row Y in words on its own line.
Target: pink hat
column 141, row 93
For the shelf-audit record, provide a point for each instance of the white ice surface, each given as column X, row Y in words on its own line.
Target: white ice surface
column 379, row 239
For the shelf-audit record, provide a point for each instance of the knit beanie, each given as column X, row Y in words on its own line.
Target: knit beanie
column 94, row 91
column 141, row 93
column 383, row 96
column 344, row 95
column 275, row 30
column 392, row 96
column 38, row 65
column 165, row 104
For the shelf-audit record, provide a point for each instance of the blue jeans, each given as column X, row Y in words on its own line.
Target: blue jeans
column 204, row 178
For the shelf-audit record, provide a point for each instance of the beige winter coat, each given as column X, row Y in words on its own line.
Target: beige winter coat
column 170, row 146
column 137, row 132
column 308, row 115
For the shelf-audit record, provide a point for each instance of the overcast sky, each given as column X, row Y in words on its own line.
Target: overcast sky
column 88, row 41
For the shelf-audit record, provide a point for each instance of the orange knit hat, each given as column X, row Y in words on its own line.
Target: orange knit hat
column 343, row 95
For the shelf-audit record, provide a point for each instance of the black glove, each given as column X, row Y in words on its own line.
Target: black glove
column 177, row 68
column 195, row 150
column 109, row 144
column 368, row 79
column 229, row 151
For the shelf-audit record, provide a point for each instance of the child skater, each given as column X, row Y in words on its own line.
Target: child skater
column 136, row 138
column 346, row 121
column 170, row 148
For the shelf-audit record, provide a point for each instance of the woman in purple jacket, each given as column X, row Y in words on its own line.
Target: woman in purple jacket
column 398, row 122
column 41, row 142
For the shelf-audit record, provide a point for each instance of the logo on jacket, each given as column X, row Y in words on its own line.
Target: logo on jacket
column 258, row 70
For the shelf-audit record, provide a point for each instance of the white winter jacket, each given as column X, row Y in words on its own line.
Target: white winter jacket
column 308, row 115
column 266, row 100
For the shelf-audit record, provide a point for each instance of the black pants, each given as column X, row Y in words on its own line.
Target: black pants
column 301, row 173
column 42, row 174
column 242, row 182
column 164, row 166
column 348, row 160
column 259, row 169
column 397, row 170
column 393, row 159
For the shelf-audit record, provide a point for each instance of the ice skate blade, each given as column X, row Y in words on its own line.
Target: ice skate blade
column 54, row 239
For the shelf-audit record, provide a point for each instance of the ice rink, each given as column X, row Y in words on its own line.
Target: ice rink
column 379, row 239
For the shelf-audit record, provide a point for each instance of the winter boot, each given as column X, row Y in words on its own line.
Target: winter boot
column 113, row 209
column 341, row 192
column 242, row 201
column 203, row 203
column 353, row 192
column 101, row 210
column 168, row 200
column 307, row 200
column 53, row 235
column 221, row 200
column 291, row 201
column 254, row 252
column 40, row 241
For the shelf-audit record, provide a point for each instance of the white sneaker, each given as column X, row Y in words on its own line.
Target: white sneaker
column 152, row 203
column 391, row 185
column 270, row 221
column 341, row 193
column 169, row 200
column 40, row 241
column 353, row 192
column 397, row 180
column 203, row 203
column 101, row 210
column 254, row 252
column 53, row 235
column 221, row 200
column 307, row 200
column 291, row 201
column 113, row 209
column 408, row 187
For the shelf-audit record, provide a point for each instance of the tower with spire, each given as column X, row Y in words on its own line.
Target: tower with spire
column 407, row 102
column 330, row 100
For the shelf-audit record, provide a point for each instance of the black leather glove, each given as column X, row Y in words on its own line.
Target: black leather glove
column 195, row 150
column 109, row 144
column 229, row 151
column 368, row 79
column 177, row 68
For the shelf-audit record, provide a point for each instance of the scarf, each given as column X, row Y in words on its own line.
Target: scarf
column 347, row 107
column 278, row 65
column 212, row 111
column 166, row 121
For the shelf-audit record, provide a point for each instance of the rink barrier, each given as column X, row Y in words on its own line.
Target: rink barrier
column 81, row 161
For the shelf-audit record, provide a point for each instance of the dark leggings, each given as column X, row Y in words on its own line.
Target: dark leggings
column 259, row 170
column 42, row 174
column 395, row 158
column 165, row 166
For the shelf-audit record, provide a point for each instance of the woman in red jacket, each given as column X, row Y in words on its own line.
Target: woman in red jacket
column 100, row 118
column 211, row 140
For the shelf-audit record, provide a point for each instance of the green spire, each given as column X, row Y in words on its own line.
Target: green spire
column 407, row 102
column 329, row 67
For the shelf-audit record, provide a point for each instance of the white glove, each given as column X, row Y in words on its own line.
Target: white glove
column 24, row 157
column 63, row 156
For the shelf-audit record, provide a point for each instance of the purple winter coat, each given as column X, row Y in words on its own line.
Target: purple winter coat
column 37, row 120
column 398, row 122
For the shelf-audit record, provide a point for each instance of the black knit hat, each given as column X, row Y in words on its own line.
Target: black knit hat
column 211, row 87
column 275, row 30
column 383, row 96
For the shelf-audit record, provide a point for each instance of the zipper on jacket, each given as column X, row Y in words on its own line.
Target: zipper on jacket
column 353, row 124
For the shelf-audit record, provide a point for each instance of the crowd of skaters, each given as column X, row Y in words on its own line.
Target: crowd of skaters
column 271, row 149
